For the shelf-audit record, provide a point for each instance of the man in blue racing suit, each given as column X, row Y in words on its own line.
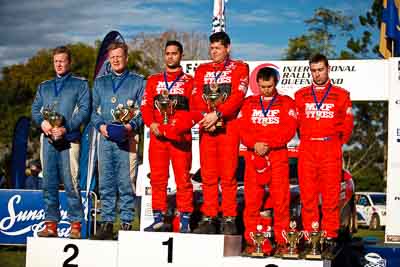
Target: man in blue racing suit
column 117, row 96
column 61, row 107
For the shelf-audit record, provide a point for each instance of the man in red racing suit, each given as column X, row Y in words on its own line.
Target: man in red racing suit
column 170, row 140
column 266, row 123
column 325, row 122
column 219, row 145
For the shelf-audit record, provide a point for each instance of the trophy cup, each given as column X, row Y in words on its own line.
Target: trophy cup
column 124, row 114
column 258, row 239
column 165, row 105
column 292, row 237
column 55, row 119
column 316, row 239
column 213, row 98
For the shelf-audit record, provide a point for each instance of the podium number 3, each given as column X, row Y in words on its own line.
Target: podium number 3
column 170, row 244
column 75, row 249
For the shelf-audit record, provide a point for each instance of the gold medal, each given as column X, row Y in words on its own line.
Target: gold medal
column 113, row 100
column 265, row 122
column 317, row 116
column 164, row 93
column 214, row 87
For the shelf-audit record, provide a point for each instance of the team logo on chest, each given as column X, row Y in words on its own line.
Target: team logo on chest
column 326, row 111
column 272, row 117
column 177, row 89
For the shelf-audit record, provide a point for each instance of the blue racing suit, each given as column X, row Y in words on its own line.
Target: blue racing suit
column 69, row 96
column 117, row 160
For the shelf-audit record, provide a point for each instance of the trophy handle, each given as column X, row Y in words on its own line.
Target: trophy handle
column 301, row 234
column 306, row 235
column 125, row 114
column 112, row 114
column 284, row 235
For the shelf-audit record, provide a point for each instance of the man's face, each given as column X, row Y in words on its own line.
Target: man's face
column 267, row 88
column 118, row 60
column 172, row 57
column 319, row 72
column 218, row 52
column 61, row 64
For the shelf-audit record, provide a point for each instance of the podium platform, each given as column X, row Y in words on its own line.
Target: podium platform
column 150, row 249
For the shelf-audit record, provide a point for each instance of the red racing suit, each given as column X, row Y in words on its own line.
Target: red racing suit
column 323, row 131
column 276, row 129
column 175, row 144
column 219, row 149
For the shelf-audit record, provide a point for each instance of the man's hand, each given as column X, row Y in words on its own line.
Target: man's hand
column 128, row 127
column 261, row 148
column 46, row 127
column 58, row 132
column 209, row 120
column 103, row 130
column 211, row 129
column 154, row 128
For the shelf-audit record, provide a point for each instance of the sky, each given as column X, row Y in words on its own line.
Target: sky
column 259, row 29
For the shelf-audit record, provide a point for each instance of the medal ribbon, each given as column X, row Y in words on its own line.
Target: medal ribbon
column 323, row 98
column 265, row 111
column 118, row 85
column 169, row 87
column 216, row 76
column 58, row 89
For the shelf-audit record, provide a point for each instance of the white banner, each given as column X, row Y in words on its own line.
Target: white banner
column 392, row 232
column 364, row 79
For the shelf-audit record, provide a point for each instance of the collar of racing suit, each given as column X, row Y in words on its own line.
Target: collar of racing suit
column 63, row 77
column 174, row 74
column 322, row 87
column 119, row 75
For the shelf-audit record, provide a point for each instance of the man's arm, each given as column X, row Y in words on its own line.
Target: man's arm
column 240, row 82
column 82, row 114
column 96, row 118
column 137, row 122
column 347, row 125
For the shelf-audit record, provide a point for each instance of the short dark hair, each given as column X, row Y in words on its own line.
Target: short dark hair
column 174, row 43
column 222, row 37
column 63, row 50
column 318, row 58
column 266, row 73
column 117, row 44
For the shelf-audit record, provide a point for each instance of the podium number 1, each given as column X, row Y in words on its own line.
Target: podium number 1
column 75, row 249
column 170, row 244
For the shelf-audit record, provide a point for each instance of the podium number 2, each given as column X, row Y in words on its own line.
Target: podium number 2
column 72, row 257
column 170, row 244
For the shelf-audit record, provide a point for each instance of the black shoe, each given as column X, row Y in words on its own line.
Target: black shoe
column 229, row 225
column 206, row 226
column 159, row 224
column 125, row 227
column 105, row 232
column 331, row 249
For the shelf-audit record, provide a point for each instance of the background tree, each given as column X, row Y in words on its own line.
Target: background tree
column 323, row 29
column 195, row 46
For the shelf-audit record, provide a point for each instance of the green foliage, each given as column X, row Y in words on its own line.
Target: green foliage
column 323, row 28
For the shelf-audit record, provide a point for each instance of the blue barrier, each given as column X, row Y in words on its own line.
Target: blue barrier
column 391, row 253
column 22, row 215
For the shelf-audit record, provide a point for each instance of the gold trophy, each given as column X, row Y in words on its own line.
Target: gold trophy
column 124, row 114
column 316, row 239
column 213, row 98
column 258, row 239
column 292, row 237
column 55, row 119
column 165, row 105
